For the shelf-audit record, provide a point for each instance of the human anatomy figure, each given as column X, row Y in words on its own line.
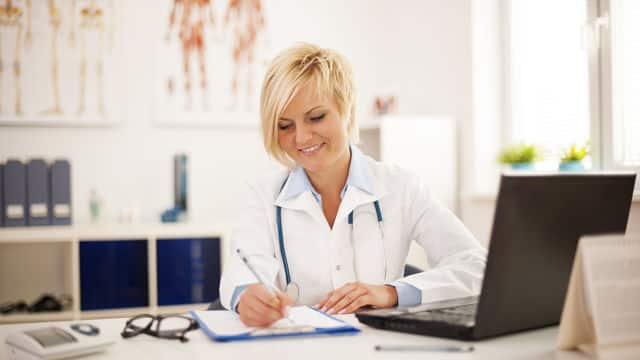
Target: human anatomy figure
column 192, row 16
column 55, row 20
column 14, row 15
column 92, row 16
column 246, row 19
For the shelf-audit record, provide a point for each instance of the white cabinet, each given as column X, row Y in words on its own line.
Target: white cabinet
column 425, row 145
column 37, row 260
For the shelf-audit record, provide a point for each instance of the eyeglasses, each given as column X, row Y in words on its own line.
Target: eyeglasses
column 166, row 327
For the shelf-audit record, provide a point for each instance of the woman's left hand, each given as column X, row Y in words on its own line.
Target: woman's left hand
column 353, row 296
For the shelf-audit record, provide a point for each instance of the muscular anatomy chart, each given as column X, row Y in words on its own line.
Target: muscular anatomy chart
column 245, row 20
column 191, row 17
column 209, row 61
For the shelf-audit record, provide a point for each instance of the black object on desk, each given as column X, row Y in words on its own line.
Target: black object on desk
column 537, row 224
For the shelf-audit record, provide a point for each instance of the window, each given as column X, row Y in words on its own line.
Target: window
column 621, row 46
column 573, row 75
column 549, row 75
column 619, row 35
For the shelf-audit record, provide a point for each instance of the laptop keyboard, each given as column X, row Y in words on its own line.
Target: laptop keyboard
column 462, row 315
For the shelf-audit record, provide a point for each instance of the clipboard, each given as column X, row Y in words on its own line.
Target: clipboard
column 224, row 326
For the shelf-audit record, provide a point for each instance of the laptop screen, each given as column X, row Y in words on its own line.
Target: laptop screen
column 537, row 223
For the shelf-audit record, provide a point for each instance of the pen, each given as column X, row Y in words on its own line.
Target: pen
column 270, row 288
column 442, row 348
column 265, row 283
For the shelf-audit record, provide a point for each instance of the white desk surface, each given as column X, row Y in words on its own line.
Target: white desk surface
column 537, row 344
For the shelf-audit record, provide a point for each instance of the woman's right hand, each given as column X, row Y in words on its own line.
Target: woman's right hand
column 258, row 307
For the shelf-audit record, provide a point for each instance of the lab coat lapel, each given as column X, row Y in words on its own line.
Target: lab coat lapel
column 355, row 197
column 302, row 202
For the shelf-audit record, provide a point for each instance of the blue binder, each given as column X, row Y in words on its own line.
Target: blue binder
column 38, row 193
column 15, row 193
column 60, row 186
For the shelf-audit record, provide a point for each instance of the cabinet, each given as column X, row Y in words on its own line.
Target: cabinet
column 426, row 145
column 111, row 271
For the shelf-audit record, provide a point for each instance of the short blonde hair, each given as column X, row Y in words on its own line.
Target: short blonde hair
column 291, row 70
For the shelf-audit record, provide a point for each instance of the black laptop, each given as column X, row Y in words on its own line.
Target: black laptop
column 537, row 223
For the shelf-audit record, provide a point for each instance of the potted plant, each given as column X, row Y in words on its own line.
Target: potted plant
column 571, row 159
column 520, row 156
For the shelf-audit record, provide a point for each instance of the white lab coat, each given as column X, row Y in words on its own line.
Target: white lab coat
column 322, row 259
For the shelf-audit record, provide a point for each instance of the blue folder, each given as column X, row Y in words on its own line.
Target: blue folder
column 60, row 186
column 15, row 193
column 267, row 333
column 38, row 193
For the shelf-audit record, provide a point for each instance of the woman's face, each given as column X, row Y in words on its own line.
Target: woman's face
column 312, row 132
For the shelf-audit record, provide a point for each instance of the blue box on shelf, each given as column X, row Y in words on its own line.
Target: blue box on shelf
column 113, row 274
column 188, row 270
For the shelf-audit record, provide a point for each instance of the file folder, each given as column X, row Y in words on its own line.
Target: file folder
column 60, row 187
column 37, row 193
column 15, row 193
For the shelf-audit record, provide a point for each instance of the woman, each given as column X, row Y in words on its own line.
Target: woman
column 334, row 229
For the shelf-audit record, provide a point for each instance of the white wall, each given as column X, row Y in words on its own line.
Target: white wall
column 419, row 49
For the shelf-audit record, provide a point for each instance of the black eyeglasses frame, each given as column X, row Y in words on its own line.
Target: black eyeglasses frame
column 130, row 330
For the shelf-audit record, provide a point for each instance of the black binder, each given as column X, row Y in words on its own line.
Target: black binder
column 15, row 193
column 60, row 187
column 38, row 193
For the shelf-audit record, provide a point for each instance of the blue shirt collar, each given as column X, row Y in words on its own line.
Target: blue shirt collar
column 359, row 177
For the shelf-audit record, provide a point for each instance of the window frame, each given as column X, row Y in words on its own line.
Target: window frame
column 600, row 87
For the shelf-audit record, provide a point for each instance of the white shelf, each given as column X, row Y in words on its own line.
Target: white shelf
column 40, row 316
column 107, row 232
column 54, row 264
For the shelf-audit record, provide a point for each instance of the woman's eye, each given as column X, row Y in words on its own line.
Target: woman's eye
column 318, row 118
column 284, row 127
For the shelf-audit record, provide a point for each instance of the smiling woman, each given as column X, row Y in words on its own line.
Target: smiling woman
column 336, row 225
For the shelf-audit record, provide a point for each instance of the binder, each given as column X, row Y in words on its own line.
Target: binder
column 37, row 193
column 15, row 193
column 222, row 325
column 1, row 195
column 60, row 186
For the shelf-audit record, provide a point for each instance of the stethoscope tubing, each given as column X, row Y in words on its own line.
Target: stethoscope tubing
column 283, row 252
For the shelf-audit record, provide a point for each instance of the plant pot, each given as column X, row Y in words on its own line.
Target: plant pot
column 522, row 166
column 575, row 165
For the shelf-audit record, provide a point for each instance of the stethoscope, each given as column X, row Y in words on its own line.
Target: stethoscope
column 292, row 289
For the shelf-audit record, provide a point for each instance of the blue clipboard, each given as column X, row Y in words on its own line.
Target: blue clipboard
column 267, row 333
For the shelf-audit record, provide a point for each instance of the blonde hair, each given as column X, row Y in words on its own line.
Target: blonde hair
column 291, row 70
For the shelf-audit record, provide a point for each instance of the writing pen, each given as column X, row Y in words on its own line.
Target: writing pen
column 267, row 284
column 434, row 348
column 272, row 289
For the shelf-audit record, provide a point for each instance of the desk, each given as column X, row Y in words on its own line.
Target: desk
column 537, row 344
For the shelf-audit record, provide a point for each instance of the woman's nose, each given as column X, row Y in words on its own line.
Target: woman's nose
column 303, row 134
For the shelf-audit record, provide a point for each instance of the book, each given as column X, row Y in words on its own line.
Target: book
column 222, row 325
column 601, row 314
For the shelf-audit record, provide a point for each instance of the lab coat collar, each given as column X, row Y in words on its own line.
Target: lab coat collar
column 362, row 187
column 298, row 182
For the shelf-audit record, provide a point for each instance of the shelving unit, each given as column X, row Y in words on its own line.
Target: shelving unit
column 37, row 260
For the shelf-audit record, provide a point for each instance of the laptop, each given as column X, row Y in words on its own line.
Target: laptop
column 537, row 223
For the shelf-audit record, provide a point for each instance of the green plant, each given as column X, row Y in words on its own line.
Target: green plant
column 520, row 153
column 576, row 153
